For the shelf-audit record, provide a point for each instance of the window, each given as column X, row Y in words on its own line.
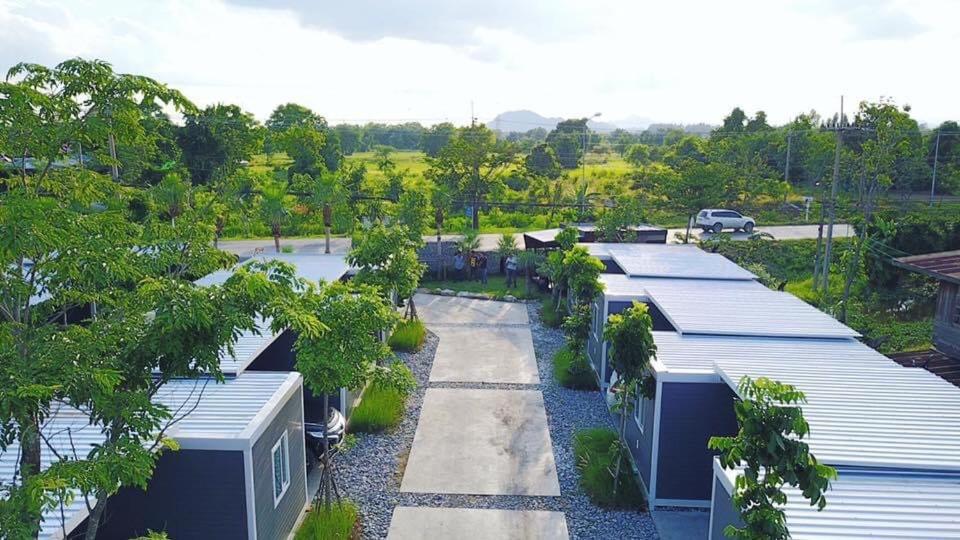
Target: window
column 281, row 468
column 956, row 312
column 638, row 412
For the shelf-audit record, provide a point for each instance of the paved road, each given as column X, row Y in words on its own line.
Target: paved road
column 488, row 242
column 472, row 439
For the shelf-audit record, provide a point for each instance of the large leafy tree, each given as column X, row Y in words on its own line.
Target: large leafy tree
column 47, row 114
column 542, row 161
column 347, row 353
column 770, row 449
column 435, row 138
column 568, row 141
column 217, row 139
column 304, row 144
column 288, row 115
column 387, row 258
column 471, row 166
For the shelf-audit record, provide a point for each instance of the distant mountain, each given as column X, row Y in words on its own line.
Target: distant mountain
column 634, row 123
column 521, row 121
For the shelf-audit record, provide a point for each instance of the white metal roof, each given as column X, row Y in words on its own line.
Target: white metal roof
column 744, row 308
column 619, row 287
column 312, row 267
column 864, row 412
column 875, row 504
column 210, row 413
column 675, row 261
column 248, row 346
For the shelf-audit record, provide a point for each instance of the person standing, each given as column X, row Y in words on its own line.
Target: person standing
column 512, row 265
column 458, row 263
column 482, row 263
column 473, row 274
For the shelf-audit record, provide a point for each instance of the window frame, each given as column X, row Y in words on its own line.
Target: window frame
column 283, row 447
column 639, row 409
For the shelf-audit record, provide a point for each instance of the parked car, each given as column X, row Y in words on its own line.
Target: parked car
column 716, row 220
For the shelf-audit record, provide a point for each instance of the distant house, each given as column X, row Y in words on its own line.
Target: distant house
column 240, row 471
column 546, row 239
column 944, row 360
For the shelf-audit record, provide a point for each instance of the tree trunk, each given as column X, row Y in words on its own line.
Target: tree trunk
column 96, row 514
column 326, row 248
column 276, row 240
column 30, row 462
column 476, row 214
column 686, row 239
column 325, row 477
column 623, row 428
column 816, row 255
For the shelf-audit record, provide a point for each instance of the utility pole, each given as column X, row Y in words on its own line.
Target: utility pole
column 825, row 273
column 936, row 158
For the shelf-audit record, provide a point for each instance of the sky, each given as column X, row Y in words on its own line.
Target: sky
column 683, row 61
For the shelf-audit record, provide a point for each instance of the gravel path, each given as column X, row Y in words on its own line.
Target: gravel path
column 371, row 472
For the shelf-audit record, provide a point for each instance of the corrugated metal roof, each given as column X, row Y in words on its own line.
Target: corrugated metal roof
column 313, row 267
column 624, row 286
column 208, row 410
column 675, row 261
column 865, row 413
column 944, row 265
column 247, row 347
column 865, row 504
column 744, row 308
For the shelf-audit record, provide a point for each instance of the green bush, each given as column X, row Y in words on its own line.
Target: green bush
column 573, row 370
column 595, row 450
column 408, row 336
column 385, row 401
column 336, row 523
column 550, row 314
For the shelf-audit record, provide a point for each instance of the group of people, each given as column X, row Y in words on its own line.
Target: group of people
column 473, row 266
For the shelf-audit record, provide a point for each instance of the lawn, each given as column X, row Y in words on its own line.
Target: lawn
column 496, row 287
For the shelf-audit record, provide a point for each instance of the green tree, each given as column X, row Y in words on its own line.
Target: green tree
column 435, row 138
column 617, row 224
column 330, row 196
column 304, row 144
column 289, row 115
column 217, row 139
column 275, row 208
column 583, row 274
column 471, row 165
column 769, row 447
column 387, row 258
column 542, row 161
column 413, row 211
column 346, row 355
column 171, row 196
column 568, row 141
column 631, row 350
column 584, row 198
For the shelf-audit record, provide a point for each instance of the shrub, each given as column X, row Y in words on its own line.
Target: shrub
column 551, row 315
column 382, row 407
column 573, row 370
column 336, row 523
column 408, row 336
column 595, row 450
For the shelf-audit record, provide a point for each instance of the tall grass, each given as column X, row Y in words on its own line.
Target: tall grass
column 408, row 336
column 572, row 370
column 595, row 453
column 336, row 523
column 385, row 401
column 550, row 314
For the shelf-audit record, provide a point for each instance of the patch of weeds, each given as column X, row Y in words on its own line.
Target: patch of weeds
column 596, row 452
column 408, row 336
column 550, row 314
column 573, row 370
column 339, row 522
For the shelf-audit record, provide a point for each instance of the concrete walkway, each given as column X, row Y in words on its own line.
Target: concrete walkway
column 475, row 440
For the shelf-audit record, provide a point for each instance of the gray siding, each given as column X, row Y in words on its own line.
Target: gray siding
column 193, row 494
column 278, row 522
column 691, row 413
column 641, row 444
column 722, row 512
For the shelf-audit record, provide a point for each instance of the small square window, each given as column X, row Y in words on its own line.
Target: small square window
column 281, row 468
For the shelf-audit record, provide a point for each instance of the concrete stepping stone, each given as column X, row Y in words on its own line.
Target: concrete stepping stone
column 410, row 523
column 482, row 442
column 453, row 310
column 484, row 355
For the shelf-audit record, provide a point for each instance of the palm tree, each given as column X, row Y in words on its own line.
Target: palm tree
column 275, row 207
column 170, row 195
column 584, row 198
column 327, row 193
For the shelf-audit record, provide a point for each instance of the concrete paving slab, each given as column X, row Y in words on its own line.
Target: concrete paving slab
column 674, row 525
column 484, row 354
column 411, row 523
column 482, row 442
column 454, row 310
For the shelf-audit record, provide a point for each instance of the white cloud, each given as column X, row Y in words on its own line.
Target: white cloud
column 685, row 61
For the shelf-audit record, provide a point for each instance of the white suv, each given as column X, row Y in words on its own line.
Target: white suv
column 717, row 220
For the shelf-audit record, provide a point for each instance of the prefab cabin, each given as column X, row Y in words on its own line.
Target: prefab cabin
column 239, row 473
column 266, row 350
column 945, row 268
column 892, row 433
